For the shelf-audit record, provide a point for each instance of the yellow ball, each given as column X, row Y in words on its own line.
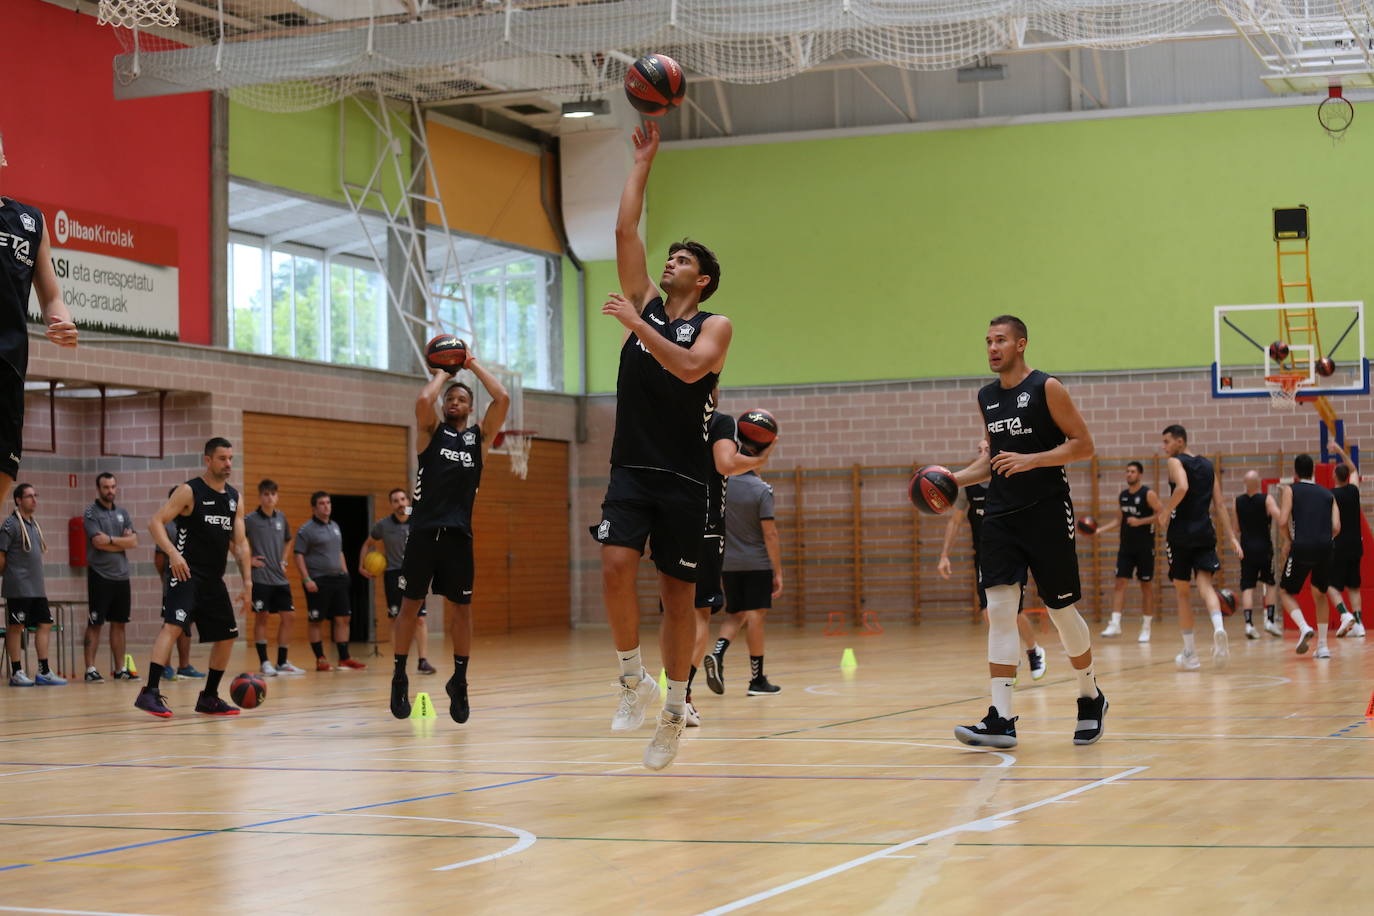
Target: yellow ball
column 375, row 563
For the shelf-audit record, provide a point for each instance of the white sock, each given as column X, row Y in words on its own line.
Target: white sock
column 1301, row 621
column 676, row 703
column 630, row 664
column 1145, row 623
column 1216, row 621
column 1321, row 633
column 1087, row 683
column 1116, row 618
column 1001, row 695
column 1188, row 648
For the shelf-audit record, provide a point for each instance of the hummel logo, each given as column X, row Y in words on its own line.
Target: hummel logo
column 205, row 503
column 686, row 564
column 656, row 321
column 1066, row 595
column 994, row 406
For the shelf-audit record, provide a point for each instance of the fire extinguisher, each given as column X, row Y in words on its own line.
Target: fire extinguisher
column 76, row 541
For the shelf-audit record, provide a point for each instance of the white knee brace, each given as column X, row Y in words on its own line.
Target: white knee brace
column 1004, row 644
column 1073, row 631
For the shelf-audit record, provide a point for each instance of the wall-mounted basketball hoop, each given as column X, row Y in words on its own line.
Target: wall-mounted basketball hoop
column 1335, row 113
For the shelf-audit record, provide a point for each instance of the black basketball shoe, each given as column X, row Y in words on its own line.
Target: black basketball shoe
column 714, row 666
column 457, row 699
column 993, row 731
column 1091, row 712
column 400, row 695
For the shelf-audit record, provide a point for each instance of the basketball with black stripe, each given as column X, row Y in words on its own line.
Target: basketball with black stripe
column 757, row 430
column 655, row 83
column 248, row 690
column 446, row 353
column 933, row 489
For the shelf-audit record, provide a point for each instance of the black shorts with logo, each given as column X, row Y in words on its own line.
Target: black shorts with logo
column 330, row 600
column 1345, row 570
column 664, row 510
column 391, row 584
column 1185, row 558
column 108, row 600
column 27, row 612
column 1038, row 539
column 1256, row 566
column 709, row 591
column 750, row 590
column 438, row 559
column 1137, row 563
column 272, row 599
column 11, row 420
column 983, row 594
column 204, row 602
column 1303, row 562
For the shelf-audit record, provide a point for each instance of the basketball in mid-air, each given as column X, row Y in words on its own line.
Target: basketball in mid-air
column 1278, row 351
column 248, row 690
column 1087, row 524
column 1326, row 367
column 446, row 353
column 654, row 84
column 757, row 430
column 375, row 562
column 933, row 489
column 1228, row 601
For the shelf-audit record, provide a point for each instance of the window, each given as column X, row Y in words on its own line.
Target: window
column 511, row 316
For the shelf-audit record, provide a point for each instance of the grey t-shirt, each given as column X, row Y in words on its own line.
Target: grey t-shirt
column 748, row 503
column 267, row 537
column 322, row 546
column 23, row 568
column 393, row 536
column 116, row 523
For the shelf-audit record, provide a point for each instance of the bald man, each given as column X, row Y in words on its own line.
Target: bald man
column 1255, row 514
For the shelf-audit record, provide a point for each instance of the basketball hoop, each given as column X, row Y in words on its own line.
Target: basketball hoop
column 1335, row 113
column 138, row 14
column 516, row 443
column 1283, row 388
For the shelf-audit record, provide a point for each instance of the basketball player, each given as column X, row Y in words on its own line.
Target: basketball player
column 1313, row 519
column 1348, row 551
column 1255, row 514
column 670, row 360
column 268, row 534
column 25, row 264
column 1135, row 556
column 208, row 516
column 751, row 574
column 438, row 550
column 320, row 559
column 389, row 534
column 1034, row 430
column 971, row 505
column 164, row 573
column 1191, row 542
column 26, row 598
column 109, row 533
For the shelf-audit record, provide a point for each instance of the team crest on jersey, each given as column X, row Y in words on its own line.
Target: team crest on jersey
column 603, row 530
column 1022, row 399
column 28, row 222
column 469, row 438
column 233, row 504
column 684, row 333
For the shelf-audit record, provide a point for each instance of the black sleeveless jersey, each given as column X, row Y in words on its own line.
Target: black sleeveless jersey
column 661, row 421
column 1254, row 523
column 977, row 496
column 450, row 470
column 1310, row 523
column 21, row 229
column 203, row 536
column 1018, row 420
column 722, row 427
column 1191, row 522
column 1136, row 505
column 1350, row 539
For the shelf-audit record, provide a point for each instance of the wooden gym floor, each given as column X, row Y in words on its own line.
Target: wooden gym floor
column 1246, row 789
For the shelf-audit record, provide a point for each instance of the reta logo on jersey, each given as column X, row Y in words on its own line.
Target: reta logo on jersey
column 224, row 521
column 463, row 457
column 1009, row 425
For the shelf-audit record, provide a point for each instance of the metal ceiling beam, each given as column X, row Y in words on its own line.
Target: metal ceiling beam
column 276, row 206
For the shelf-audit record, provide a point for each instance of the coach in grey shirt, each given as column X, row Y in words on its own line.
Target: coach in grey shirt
column 268, row 534
column 109, row 533
column 751, row 573
column 320, row 559
column 26, row 602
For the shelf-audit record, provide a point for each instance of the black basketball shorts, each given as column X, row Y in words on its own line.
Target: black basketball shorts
column 1306, row 561
column 330, row 600
column 1038, row 539
column 1186, row 558
column 204, row 602
column 27, row 612
column 11, row 421
column 272, row 599
column 983, row 593
column 107, row 600
column 439, row 559
column 1136, row 562
column 391, row 584
column 1345, row 570
column 709, row 590
column 664, row 510
column 1256, row 566
column 750, row 590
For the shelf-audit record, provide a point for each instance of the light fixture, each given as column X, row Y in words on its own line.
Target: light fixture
column 586, row 108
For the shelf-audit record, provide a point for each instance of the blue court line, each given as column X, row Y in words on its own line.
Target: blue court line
column 1341, row 733
column 280, row 820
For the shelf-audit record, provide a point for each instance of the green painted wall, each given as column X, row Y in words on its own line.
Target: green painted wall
column 883, row 257
column 300, row 151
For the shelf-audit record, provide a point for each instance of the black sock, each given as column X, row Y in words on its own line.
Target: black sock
column 212, row 682
column 43, row 666
column 318, row 649
column 1340, row 608
column 460, row 668
column 756, row 666
column 154, row 675
column 721, row 645
column 1269, row 613
column 262, row 651
column 16, row 666
column 343, row 651
column 690, row 676
column 1358, row 618
column 281, row 656
column 401, row 663
column 1249, row 617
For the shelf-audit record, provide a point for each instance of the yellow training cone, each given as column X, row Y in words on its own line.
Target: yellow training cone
column 423, row 708
column 129, row 665
column 663, row 681
column 848, row 660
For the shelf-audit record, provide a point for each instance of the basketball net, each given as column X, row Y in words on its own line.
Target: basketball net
column 516, row 444
column 1283, row 389
column 138, row 14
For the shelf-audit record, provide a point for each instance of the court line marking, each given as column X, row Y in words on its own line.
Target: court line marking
column 991, row 822
column 34, row 909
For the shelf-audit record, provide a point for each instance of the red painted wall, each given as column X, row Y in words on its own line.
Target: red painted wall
column 68, row 141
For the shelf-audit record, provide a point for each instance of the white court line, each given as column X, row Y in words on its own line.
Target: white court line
column 523, row 838
column 34, row 909
column 991, row 822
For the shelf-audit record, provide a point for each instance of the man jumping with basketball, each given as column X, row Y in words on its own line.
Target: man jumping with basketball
column 1034, row 430
column 670, row 360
